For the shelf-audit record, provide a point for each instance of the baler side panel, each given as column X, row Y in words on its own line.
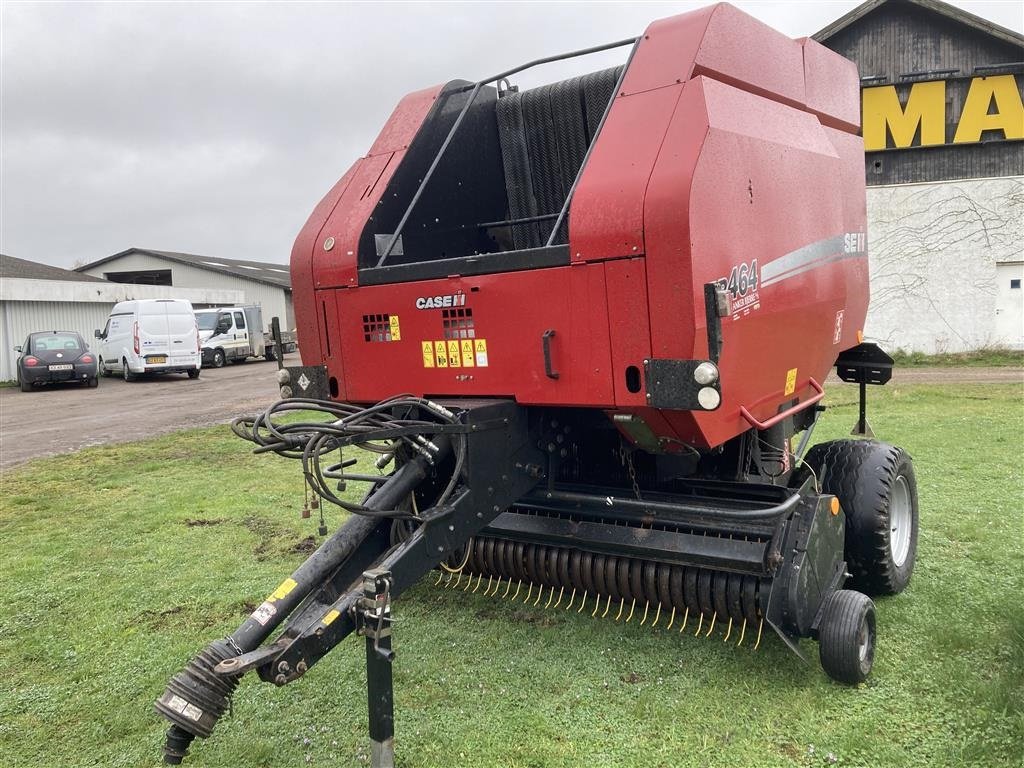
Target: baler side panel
column 764, row 187
column 606, row 215
column 337, row 215
column 630, row 329
column 303, row 294
column 510, row 312
column 337, row 266
column 850, row 148
column 832, row 87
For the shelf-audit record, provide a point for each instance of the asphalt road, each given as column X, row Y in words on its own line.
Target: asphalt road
column 63, row 419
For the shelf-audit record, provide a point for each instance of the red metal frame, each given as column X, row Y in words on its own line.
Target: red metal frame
column 728, row 143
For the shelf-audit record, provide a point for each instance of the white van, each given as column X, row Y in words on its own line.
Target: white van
column 150, row 336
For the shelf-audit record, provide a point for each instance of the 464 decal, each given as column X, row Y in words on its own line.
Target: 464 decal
column 742, row 280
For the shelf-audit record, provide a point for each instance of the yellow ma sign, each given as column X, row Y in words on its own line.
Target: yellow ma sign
column 992, row 104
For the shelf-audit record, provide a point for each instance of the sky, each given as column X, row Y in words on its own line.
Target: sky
column 215, row 128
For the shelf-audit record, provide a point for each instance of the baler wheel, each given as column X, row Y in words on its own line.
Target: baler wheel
column 846, row 636
column 877, row 489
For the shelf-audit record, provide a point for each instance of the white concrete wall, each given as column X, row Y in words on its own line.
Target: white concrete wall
column 933, row 250
column 269, row 297
column 56, row 305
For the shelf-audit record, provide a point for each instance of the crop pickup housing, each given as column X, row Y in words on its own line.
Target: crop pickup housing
column 612, row 302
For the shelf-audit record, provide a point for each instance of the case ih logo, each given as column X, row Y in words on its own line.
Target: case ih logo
column 437, row 302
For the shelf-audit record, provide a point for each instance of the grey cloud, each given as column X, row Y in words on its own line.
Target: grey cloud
column 215, row 127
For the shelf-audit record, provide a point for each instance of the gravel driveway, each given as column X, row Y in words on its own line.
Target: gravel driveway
column 64, row 418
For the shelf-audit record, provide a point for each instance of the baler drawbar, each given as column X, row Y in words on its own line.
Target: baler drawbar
column 611, row 302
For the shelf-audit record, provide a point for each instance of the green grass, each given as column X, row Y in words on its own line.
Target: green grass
column 987, row 357
column 119, row 563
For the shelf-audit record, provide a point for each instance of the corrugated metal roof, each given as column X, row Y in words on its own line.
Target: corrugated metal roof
column 11, row 266
column 936, row 6
column 262, row 272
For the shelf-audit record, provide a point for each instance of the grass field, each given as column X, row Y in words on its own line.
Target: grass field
column 119, row 563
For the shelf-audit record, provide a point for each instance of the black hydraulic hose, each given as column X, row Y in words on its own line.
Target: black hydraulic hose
column 594, row 501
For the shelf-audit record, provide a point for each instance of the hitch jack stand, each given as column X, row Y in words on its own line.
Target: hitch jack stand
column 374, row 619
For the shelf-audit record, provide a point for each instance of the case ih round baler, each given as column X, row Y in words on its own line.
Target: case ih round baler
column 589, row 324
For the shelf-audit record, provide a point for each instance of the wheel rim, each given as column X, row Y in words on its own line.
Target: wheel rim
column 901, row 519
column 863, row 643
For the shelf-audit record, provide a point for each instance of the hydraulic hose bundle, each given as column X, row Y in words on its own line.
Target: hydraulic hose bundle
column 404, row 423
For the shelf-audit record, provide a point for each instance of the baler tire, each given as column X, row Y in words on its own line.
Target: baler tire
column 846, row 636
column 867, row 477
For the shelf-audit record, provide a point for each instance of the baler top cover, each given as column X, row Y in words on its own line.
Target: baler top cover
column 562, row 245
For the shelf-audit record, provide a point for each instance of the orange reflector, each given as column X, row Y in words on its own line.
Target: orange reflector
column 834, row 506
column 860, row 337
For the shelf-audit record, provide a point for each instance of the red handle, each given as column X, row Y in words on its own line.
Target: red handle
column 788, row 412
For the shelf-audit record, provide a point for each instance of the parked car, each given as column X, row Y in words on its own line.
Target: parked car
column 49, row 357
column 150, row 336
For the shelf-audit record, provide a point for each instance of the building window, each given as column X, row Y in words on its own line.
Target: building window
column 1015, row 283
column 141, row 277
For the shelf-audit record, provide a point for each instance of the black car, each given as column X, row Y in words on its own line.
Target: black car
column 50, row 357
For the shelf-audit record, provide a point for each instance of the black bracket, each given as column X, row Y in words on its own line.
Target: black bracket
column 864, row 364
column 716, row 306
column 373, row 620
column 545, row 340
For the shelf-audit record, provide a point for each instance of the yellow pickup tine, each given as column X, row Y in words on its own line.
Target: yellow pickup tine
column 712, row 627
column 631, row 607
column 728, row 631
column 519, row 586
column 528, row 593
column 607, row 606
column 622, row 605
column 558, row 602
column 656, row 616
column 478, row 580
column 743, row 633
column 540, row 594
column 488, row 589
column 671, row 619
column 646, row 606
column 583, row 604
column 759, row 628
column 686, row 618
column 571, row 598
column 699, row 624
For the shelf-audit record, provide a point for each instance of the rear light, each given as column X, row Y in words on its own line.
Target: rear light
column 31, row 361
column 135, row 337
column 85, row 359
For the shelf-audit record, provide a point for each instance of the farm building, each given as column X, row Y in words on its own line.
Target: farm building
column 268, row 285
column 943, row 127
column 39, row 297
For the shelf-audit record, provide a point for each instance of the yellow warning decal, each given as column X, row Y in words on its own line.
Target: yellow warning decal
column 285, row 587
column 454, row 359
column 396, row 330
column 480, row 346
column 790, row 381
column 330, row 616
column 441, row 354
column 428, row 354
column 467, row 353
